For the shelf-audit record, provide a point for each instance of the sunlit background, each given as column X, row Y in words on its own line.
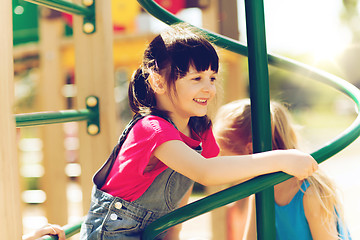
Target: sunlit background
column 298, row 27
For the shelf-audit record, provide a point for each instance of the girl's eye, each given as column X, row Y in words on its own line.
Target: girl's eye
column 213, row 79
column 197, row 78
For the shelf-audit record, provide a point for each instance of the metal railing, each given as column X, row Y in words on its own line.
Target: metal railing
column 90, row 114
column 43, row 118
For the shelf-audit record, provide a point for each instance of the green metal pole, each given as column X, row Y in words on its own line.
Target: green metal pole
column 41, row 118
column 65, row 6
column 90, row 114
column 260, row 109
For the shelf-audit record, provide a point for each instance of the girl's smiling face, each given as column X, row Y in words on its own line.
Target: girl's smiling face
column 193, row 92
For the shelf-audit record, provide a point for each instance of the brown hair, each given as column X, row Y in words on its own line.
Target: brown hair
column 171, row 54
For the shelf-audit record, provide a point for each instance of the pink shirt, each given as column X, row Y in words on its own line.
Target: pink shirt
column 127, row 178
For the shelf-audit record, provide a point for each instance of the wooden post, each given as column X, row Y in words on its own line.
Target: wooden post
column 94, row 75
column 10, row 212
column 235, row 85
column 54, row 181
column 221, row 17
column 210, row 16
column 211, row 22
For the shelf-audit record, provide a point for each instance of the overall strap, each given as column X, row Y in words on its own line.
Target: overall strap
column 101, row 175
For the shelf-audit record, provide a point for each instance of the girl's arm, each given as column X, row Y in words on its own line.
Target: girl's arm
column 228, row 169
column 320, row 228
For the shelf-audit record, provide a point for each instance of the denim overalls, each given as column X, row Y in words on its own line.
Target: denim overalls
column 114, row 218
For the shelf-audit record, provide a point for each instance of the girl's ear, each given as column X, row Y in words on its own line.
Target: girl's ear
column 249, row 148
column 157, row 83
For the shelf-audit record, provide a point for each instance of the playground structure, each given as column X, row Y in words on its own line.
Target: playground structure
column 94, row 65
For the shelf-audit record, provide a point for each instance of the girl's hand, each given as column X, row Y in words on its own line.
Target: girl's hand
column 50, row 229
column 296, row 163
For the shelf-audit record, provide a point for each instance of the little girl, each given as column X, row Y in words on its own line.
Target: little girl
column 304, row 208
column 169, row 144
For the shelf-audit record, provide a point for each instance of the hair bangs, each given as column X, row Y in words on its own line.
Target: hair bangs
column 199, row 54
column 204, row 57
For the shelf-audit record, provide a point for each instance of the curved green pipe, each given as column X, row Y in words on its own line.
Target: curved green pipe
column 261, row 182
column 349, row 134
column 65, row 6
column 168, row 18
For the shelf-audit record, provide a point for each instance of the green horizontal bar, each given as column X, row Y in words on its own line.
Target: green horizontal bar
column 262, row 182
column 42, row 118
column 212, row 202
column 25, row 36
column 70, row 230
column 64, row 6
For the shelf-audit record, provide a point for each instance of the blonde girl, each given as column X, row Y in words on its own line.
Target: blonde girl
column 169, row 144
column 304, row 208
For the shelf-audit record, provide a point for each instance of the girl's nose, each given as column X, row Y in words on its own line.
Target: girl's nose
column 209, row 87
column 206, row 88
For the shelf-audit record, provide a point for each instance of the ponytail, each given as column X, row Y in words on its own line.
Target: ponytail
column 141, row 96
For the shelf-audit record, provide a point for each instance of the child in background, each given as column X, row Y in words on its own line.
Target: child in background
column 304, row 208
column 169, row 144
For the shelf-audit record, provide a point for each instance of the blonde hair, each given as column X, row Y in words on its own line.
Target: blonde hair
column 232, row 125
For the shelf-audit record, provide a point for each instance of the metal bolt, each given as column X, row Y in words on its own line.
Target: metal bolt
column 88, row 27
column 93, row 129
column 88, row 3
column 91, row 101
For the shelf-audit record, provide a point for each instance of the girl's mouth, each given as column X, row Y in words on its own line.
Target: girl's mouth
column 200, row 100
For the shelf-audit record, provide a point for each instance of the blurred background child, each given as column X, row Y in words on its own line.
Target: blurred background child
column 304, row 209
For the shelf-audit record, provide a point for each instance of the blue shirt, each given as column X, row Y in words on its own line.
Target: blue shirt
column 290, row 220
